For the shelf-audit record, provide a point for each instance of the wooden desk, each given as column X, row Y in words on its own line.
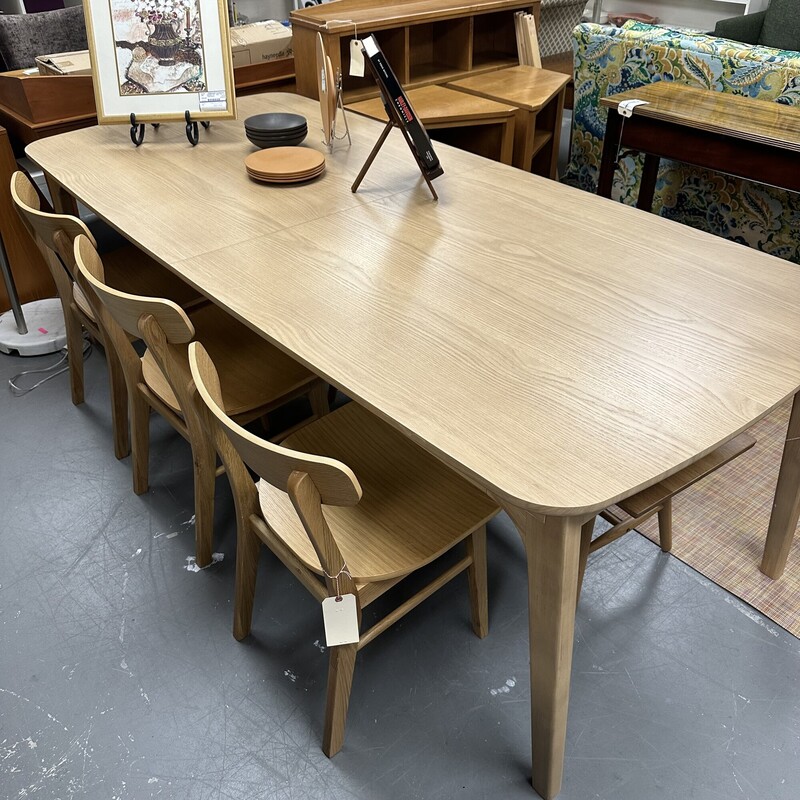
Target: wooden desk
column 481, row 126
column 538, row 97
column 35, row 106
column 753, row 139
column 559, row 366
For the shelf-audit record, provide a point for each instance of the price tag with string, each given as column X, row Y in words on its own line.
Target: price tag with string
column 340, row 615
column 356, row 55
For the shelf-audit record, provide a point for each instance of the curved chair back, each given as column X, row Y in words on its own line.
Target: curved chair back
column 129, row 309
column 335, row 482
column 55, row 231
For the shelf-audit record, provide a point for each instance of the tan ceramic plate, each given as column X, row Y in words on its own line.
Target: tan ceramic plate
column 286, row 162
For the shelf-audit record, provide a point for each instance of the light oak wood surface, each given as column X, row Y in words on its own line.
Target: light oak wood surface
column 439, row 107
column 524, row 87
column 408, row 510
column 559, row 366
column 761, row 121
column 425, row 41
column 538, row 96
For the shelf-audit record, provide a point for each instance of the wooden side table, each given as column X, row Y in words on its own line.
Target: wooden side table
column 538, row 96
column 481, row 126
column 753, row 139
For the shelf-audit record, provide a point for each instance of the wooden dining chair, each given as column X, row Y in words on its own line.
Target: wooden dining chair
column 258, row 377
column 656, row 499
column 126, row 268
column 338, row 533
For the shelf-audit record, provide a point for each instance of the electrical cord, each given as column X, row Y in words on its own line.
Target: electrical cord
column 54, row 370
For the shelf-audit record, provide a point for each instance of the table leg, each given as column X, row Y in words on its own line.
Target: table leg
column 507, row 141
column 63, row 201
column 647, row 186
column 552, row 546
column 786, row 505
column 608, row 163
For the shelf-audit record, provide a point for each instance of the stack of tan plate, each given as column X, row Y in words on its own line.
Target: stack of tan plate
column 285, row 165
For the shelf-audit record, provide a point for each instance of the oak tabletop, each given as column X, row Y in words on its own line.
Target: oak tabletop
column 439, row 105
column 761, row 121
column 523, row 86
column 561, row 350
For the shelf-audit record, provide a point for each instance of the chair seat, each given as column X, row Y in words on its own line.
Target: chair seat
column 253, row 373
column 413, row 508
column 130, row 270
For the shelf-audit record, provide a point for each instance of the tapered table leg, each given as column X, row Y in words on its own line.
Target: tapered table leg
column 786, row 505
column 552, row 546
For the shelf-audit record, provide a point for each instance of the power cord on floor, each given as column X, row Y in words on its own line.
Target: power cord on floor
column 54, row 370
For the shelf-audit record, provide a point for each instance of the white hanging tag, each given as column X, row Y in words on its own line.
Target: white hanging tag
column 625, row 108
column 341, row 620
column 356, row 59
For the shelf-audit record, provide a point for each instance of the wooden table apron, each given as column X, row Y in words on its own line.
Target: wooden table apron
column 558, row 366
column 708, row 132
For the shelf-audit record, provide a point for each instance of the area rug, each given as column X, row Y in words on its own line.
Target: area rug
column 720, row 524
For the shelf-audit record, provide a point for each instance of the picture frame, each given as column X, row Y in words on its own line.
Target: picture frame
column 159, row 59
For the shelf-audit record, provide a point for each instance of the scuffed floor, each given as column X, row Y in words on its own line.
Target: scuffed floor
column 119, row 677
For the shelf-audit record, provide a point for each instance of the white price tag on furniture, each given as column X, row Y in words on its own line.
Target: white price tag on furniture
column 626, row 106
column 341, row 620
column 356, row 59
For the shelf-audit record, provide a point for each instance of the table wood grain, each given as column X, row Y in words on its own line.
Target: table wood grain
column 560, row 350
column 759, row 121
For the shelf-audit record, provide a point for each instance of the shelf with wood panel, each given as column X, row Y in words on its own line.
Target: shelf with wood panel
column 426, row 41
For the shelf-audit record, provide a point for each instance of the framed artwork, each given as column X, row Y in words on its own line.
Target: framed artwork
column 159, row 59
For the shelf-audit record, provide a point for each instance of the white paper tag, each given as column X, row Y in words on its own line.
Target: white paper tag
column 356, row 59
column 323, row 81
column 341, row 620
column 213, row 101
column 626, row 106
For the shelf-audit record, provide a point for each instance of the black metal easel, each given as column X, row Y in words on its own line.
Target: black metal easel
column 192, row 132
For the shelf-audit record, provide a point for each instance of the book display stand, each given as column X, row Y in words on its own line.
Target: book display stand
column 401, row 115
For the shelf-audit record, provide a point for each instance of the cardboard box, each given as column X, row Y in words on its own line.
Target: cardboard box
column 259, row 42
column 75, row 63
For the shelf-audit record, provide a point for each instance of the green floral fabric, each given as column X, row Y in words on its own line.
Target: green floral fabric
column 610, row 60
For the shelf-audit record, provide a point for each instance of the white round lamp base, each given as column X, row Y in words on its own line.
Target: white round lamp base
column 46, row 329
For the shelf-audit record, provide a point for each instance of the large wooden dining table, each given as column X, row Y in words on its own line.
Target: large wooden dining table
column 560, row 350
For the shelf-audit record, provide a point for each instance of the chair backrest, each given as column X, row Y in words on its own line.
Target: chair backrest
column 309, row 480
column 25, row 36
column 129, row 309
column 335, row 482
column 56, row 232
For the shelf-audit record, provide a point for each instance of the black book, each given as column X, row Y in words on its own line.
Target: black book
column 399, row 108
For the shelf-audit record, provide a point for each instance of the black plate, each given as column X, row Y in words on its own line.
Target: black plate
column 292, row 135
column 282, row 134
column 276, row 122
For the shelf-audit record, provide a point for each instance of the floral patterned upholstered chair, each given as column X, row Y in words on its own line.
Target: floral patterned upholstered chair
column 25, row 36
column 610, row 60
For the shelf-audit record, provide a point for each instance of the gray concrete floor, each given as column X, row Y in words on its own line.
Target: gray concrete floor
column 119, row 677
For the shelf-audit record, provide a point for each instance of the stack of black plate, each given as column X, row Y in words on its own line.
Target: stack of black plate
column 276, row 130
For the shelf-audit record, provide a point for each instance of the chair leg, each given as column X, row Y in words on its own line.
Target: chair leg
column 665, row 526
column 140, row 441
column 248, row 549
column 75, row 356
column 340, row 681
column 586, row 540
column 318, row 398
column 476, row 575
column 204, row 457
column 119, row 404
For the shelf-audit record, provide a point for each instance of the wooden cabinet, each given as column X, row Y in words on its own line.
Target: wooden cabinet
column 27, row 265
column 426, row 41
